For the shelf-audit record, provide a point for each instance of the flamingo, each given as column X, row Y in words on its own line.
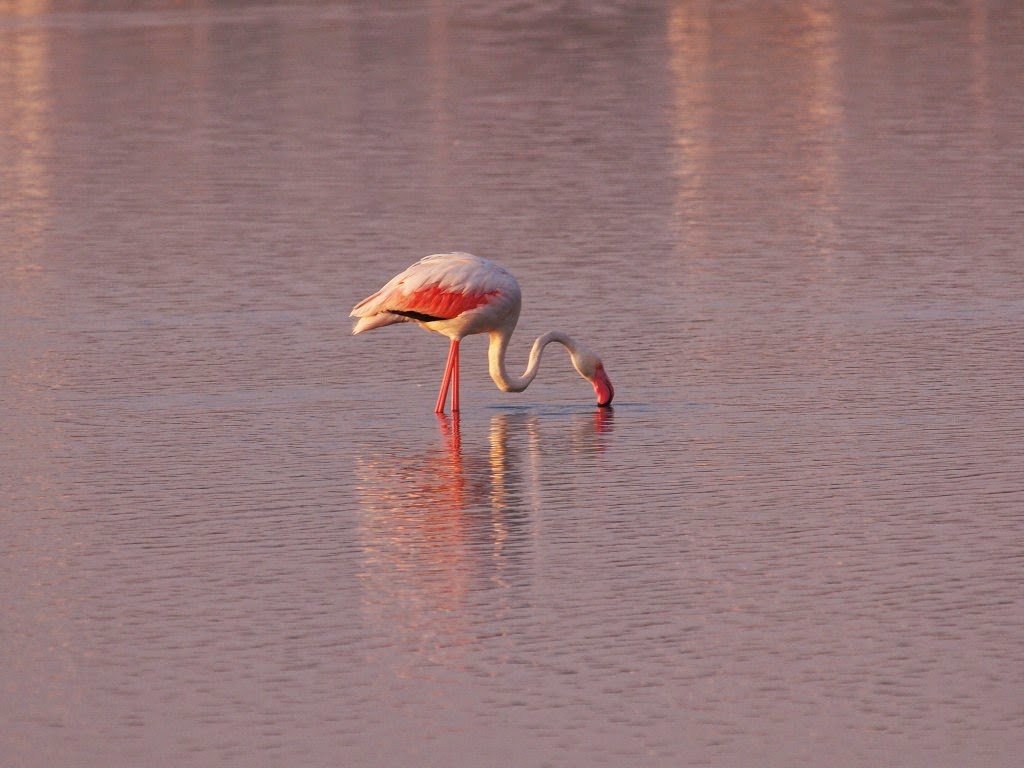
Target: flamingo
column 458, row 294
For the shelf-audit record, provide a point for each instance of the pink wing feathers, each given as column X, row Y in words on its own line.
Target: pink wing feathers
column 438, row 287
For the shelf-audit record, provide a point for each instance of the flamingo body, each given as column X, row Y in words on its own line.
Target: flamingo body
column 454, row 294
column 458, row 294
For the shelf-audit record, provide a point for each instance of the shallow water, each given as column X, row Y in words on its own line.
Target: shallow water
column 235, row 535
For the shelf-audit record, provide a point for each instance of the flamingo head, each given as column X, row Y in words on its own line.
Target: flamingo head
column 592, row 369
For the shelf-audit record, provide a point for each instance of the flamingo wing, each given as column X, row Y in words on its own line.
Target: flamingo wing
column 438, row 287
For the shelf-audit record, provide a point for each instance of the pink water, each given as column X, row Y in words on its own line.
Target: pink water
column 234, row 535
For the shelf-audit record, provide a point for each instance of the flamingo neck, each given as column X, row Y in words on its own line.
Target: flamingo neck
column 496, row 358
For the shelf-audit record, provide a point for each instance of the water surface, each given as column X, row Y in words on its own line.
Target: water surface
column 235, row 535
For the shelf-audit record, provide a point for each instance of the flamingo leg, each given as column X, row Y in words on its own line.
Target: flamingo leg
column 451, row 370
column 455, row 381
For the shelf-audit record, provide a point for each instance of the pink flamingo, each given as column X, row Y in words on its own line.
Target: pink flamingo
column 458, row 294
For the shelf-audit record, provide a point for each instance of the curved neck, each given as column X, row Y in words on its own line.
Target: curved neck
column 496, row 358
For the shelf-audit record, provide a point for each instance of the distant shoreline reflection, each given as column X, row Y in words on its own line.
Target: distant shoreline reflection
column 451, row 520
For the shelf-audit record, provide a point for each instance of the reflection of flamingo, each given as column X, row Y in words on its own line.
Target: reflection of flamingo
column 458, row 294
column 442, row 520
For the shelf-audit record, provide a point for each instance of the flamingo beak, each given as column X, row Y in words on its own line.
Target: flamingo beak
column 603, row 387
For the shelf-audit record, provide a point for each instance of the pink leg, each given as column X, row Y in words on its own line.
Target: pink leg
column 455, row 381
column 451, row 366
